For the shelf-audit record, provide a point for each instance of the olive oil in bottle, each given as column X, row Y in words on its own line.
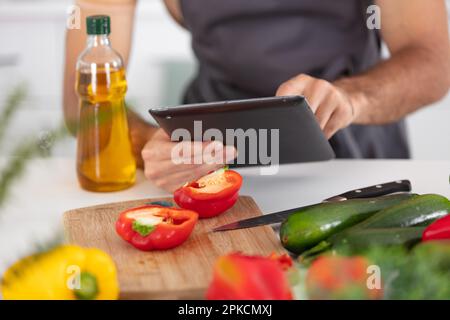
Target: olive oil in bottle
column 105, row 161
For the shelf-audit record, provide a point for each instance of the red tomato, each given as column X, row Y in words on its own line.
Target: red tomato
column 154, row 227
column 241, row 277
column 210, row 195
column 438, row 230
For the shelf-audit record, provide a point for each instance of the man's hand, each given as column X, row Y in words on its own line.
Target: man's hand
column 414, row 31
column 161, row 168
column 331, row 105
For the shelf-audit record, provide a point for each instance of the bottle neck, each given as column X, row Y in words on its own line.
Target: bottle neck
column 97, row 40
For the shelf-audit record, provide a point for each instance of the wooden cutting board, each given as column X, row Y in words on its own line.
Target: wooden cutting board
column 181, row 273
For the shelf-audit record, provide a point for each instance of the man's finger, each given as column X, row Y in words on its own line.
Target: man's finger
column 173, row 150
column 316, row 96
column 200, row 152
column 166, row 168
column 294, row 86
column 333, row 125
column 325, row 110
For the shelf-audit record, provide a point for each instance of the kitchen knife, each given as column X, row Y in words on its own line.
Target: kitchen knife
column 278, row 217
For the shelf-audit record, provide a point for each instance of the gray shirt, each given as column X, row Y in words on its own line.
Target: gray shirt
column 246, row 49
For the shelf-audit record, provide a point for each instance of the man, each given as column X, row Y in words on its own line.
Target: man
column 320, row 49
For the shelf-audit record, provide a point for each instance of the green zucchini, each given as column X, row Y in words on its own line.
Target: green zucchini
column 359, row 239
column 304, row 229
column 417, row 211
column 353, row 241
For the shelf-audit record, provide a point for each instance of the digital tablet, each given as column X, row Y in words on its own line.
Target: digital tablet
column 264, row 130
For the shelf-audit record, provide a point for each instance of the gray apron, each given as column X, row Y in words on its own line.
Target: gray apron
column 247, row 48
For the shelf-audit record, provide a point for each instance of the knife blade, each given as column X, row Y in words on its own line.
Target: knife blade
column 278, row 217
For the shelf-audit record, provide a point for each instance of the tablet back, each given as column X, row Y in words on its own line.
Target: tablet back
column 264, row 130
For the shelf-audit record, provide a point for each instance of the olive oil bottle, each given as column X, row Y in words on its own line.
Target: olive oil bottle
column 105, row 160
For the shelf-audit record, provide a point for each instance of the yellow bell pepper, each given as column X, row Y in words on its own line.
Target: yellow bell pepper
column 63, row 273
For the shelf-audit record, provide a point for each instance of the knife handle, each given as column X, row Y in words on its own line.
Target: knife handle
column 379, row 190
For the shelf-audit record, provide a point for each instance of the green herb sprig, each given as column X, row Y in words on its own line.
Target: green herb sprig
column 12, row 105
column 23, row 153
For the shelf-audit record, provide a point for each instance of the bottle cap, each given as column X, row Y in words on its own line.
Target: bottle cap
column 99, row 24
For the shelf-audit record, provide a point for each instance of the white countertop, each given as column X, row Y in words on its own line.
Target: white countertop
column 33, row 212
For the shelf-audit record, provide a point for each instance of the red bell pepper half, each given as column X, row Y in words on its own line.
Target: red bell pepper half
column 438, row 230
column 210, row 195
column 155, row 227
column 241, row 277
column 336, row 277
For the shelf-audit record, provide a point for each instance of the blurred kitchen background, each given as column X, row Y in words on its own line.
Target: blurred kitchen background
column 31, row 52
